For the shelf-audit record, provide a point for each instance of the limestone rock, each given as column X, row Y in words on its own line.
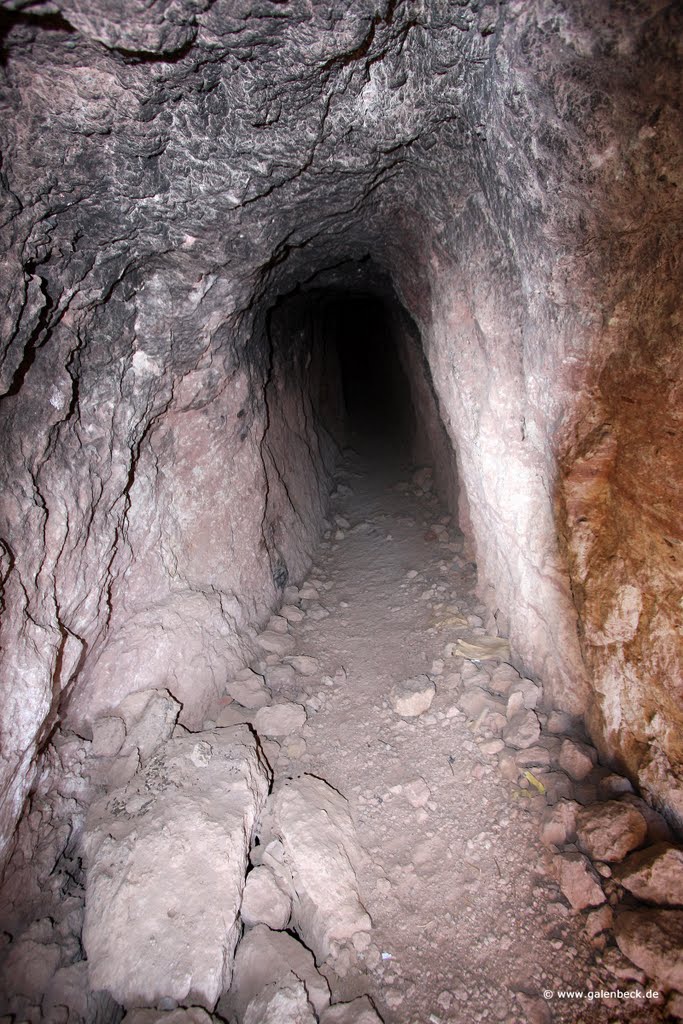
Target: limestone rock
column 165, row 862
column 183, row 1015
column 276, row 643
column 266, row 959
column 653, row 939
column 311, row 845
column 358, row 1011
column 248, row 689
column 522, row 730
column 304, row 665
column 558, row 825
column 412, row 697
column 264, row 902
column 610, row 830
column 576, row 759
column 475, row 700
column 150, row 717
column 283, row 1003
column 654, row 875
column 108, row 735
column 578, row 881
column 280, row 719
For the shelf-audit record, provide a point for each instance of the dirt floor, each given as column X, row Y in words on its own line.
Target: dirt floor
column 468, row 924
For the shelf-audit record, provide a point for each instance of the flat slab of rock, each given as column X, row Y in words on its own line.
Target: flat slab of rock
column 654, row 875
column 276, row 643
column 264, row 902
column 522, row 730
column 267, row 960
column 578, row 882
column 610, row 830
column 412, row 697
column 279, row 719
column 248, row 689
column 310, row 844
column 165, row 860
column 653, row 940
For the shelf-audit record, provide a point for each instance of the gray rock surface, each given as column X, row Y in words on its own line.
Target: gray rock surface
column 165, row 862
column 358, row 1011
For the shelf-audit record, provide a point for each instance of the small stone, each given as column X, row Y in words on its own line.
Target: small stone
column 292, row 613
column 264, row 902
column 560, row 722
column 653, row 940
column 278, row 624
column 610, row 830
column 417, row 792
column 558, row 825
column 304, row 665
column 532, row 757
column 474, row 700
column 233, row 714
column 599, row 921
column 578, row 882
column 108, row 735
column 529, row 692
column 522, row 730
column 614, row 785
column 491, row 747
column 317, row 612
column 248, row 689
column 576, row 759
column 279, row 676
column 308, row 593
column 280, row 719
column 412, row 697
column 276, row 643
column 654, row 875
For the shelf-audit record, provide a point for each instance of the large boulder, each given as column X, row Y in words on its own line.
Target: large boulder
column 310, row 844
column 165, row 859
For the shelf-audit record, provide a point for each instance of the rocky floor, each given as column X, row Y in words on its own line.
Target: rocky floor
column 468, row 921
column 384, row 677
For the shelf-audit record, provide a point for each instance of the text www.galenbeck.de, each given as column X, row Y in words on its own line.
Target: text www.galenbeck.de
column 601, row 993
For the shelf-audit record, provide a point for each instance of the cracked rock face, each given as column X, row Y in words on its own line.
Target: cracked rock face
column 171, row 169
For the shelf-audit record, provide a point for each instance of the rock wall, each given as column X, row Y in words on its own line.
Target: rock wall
column 513, row 168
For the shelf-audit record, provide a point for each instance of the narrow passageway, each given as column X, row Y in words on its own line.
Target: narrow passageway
column 468, row 923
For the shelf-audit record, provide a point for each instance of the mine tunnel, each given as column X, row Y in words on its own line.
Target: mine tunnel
column 340, row 519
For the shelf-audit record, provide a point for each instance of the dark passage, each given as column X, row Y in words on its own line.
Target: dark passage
column 376, row 392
